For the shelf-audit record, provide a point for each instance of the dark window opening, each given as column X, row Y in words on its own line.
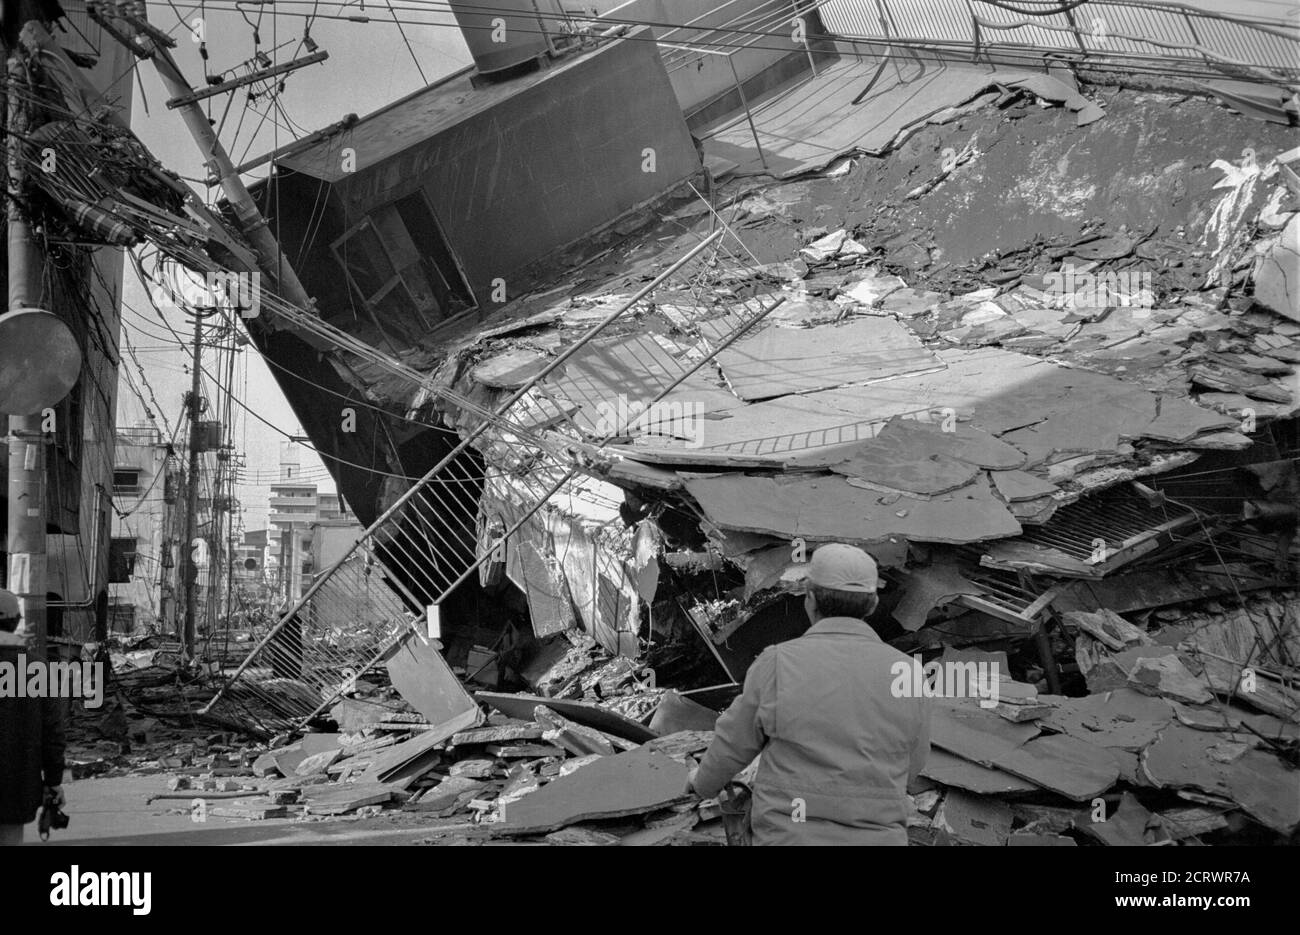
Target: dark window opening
column 121, row 560
column 398, row 261
column 126, row 482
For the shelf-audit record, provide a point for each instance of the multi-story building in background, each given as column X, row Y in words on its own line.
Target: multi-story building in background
column 142, row 558
column 144, row 555
column 298, row 508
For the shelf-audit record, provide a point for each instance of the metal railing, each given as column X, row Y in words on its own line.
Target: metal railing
column 1162, row 36
column 1151, row 34
column 436, row 535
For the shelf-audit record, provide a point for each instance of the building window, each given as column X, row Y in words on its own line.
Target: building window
column 398, row 261
column 126, row 482
column 121, row 560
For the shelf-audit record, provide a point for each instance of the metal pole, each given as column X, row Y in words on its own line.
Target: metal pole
column 26, row 526
column 748, row 116
column 219, row 165
column 192, row 495
column 214, row 556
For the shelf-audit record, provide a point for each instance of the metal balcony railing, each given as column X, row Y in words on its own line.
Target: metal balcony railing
column 1151, row 36
column 436, row 535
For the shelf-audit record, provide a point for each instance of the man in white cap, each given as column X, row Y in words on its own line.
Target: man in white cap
column 838, row 747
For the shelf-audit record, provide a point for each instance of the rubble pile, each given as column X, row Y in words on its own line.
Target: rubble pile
column 472, row 779
column 1185, row 732
column 1041, row 367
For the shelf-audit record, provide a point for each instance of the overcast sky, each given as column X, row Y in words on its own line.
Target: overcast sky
column 369, row 66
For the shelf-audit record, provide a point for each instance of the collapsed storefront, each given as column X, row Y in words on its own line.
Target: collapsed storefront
column 1017, row 359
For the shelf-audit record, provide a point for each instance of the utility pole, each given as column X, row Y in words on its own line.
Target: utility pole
column 150, row 42
column 192, row 494
column 218, row 543
column 26, row 523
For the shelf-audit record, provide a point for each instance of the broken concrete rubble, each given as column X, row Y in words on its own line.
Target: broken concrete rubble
column 1036, row 413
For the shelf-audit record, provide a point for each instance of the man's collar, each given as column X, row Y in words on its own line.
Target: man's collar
column 851, row 626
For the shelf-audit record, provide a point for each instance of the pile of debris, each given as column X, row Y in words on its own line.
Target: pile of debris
column 1069, row 443
column 510, row 765
column 1187, row 734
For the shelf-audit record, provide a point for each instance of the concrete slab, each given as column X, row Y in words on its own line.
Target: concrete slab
column 809, row 126
column 631, row 783
column 830, row 508
column 778, row 361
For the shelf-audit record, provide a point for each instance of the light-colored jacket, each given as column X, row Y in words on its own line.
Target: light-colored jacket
column 838, row 748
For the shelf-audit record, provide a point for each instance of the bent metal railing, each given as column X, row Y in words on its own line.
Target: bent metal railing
column 433, row 537
column 1151, row 37
column 1167, row 37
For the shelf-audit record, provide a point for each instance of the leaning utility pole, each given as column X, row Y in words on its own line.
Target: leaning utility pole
column 146, row 41
column 192, row 493
column 26, row 525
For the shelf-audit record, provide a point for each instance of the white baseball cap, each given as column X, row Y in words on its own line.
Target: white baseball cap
column 843, row 568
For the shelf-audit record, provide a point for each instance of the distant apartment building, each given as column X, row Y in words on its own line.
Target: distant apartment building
column 297, row 507
column 146, row 526
column 249, row 558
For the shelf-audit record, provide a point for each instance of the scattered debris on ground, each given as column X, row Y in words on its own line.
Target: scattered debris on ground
column 1038, row 360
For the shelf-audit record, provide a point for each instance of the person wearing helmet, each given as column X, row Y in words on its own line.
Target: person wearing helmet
column 838, row 747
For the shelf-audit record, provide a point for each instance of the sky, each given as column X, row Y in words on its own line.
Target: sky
column 369, row 66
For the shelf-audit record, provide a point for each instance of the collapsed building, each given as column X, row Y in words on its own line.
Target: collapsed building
column 601, row 355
